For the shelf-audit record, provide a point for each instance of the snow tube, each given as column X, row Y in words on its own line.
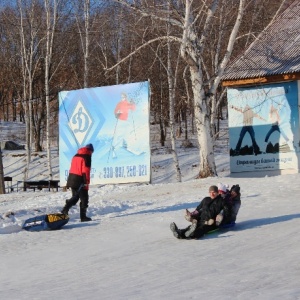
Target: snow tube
column 46, row 222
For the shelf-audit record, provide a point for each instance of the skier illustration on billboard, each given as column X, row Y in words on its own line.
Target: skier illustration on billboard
column 123, row 107
column 124, row 136
column 248, row 116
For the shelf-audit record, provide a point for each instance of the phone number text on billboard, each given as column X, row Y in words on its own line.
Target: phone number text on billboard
column 123, row 172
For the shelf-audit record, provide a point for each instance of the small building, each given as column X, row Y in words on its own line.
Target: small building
column 263, row 100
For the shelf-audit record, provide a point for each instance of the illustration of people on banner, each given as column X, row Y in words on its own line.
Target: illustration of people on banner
column 272, row 133
column 283, row 128
column 248, row 116
column 263, row 127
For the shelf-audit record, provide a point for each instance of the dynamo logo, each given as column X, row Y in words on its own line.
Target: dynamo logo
column 80, row 122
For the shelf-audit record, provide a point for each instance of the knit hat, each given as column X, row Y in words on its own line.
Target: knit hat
column 222, row 187
column 90, row 147
column 235, row 188
column 213, row 188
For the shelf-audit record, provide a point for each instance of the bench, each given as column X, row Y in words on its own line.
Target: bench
column 41, row 184
column 8, row 184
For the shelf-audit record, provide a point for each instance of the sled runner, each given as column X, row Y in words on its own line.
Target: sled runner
column 222, row 227
column 228, row 225
column 46, row 222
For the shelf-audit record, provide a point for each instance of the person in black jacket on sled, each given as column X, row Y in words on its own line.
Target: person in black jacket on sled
column 79, row 180
column 226, row 218
column 203, row 218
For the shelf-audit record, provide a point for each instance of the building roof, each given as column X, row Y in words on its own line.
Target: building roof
column 275, row 51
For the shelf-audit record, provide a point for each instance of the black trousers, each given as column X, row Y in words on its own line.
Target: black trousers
column 200, row 230
column 83, row 196
column 203, row 229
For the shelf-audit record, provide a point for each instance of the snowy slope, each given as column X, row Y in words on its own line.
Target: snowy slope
column 129, row 252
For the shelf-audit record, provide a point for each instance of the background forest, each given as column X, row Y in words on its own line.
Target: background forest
column 181, row 47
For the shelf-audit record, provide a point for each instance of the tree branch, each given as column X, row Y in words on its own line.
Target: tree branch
column 174, row 38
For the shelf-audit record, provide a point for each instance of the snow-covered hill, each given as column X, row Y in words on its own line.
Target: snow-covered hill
column 129, row 252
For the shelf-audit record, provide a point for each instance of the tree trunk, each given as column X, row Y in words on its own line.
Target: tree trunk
column 162, row 132
column 204, row 133
column 49, row 47
column 87, row 41
column 172, row 86
column 2, row 186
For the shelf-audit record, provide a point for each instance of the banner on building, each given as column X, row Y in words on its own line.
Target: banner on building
column 263, row 127
column 115, row 119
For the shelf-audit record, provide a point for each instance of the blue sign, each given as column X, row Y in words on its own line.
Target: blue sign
column 115, row 119
column 264, row 127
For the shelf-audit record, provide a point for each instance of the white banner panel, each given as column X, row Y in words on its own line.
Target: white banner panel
column 115, row 119
column 263, row 127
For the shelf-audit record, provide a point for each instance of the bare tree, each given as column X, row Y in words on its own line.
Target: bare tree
column 2, row 186
column 85, row 41
column 172, row 89
column 171, row 67
column 51, row 22
column 29, row 35
column 172, row 76
column 204, row 31
column 194, row 19
column 83, row 22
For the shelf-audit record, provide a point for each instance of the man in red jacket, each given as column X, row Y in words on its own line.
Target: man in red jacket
column 79, row 180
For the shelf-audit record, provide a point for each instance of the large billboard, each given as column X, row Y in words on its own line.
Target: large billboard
column 115, row 119
column 263, row 127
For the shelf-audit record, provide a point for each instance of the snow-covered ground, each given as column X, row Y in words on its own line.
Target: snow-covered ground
column 129, row 252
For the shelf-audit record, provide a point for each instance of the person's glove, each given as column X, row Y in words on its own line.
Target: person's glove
column 188, row 216
column 219, row 219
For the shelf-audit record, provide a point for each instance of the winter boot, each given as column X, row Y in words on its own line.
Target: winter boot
column 175, row 230
column 83, row 216
column 191, row 229
column 66, row 208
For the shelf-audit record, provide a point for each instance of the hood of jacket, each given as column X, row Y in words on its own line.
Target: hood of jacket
column 84, row 150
